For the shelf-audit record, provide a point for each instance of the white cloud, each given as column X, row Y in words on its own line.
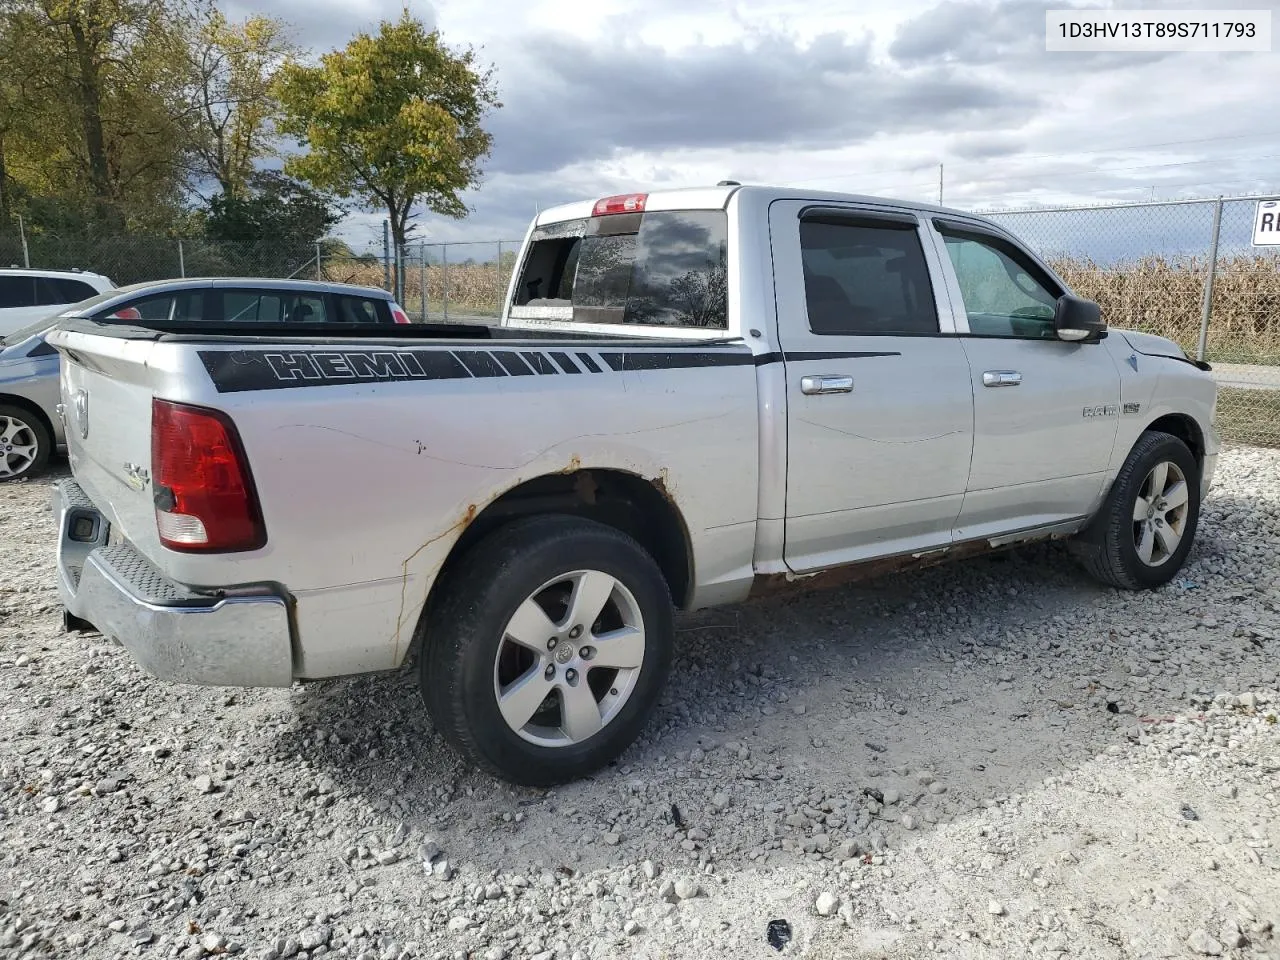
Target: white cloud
column 610, row 95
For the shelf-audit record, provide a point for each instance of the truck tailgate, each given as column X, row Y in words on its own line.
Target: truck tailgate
column 107, row 388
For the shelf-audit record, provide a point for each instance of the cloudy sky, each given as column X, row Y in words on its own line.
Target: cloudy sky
column 868, row 96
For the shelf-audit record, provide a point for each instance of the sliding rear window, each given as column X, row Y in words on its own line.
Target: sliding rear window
column 665, row 269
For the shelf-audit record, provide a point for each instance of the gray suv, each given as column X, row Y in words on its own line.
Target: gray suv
column 30, row 429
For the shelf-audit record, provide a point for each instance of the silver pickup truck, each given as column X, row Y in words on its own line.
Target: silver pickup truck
column 692, row 398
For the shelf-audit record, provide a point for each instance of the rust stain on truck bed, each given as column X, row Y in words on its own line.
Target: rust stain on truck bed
column 458, row 526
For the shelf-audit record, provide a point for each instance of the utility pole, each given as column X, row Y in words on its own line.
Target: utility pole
column 939, row 184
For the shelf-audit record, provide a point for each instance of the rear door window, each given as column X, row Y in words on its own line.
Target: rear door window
column 251, row 306
column 361, row 310
column 665, row 268
column 54, row 291
column 17, row 292
column 865, row 278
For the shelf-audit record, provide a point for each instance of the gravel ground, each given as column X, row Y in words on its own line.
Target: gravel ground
column 998, row 759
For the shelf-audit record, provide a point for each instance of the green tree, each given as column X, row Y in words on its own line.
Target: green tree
column 233, row 67
column 271, row 226
column 108, row 78
column 393, row 119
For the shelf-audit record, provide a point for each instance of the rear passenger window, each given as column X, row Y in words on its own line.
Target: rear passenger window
column 357, row 310
column 862, row 277
column 17, row 292
column 665, row 269
column 240, row 306
column 54, row 291
column 300, row 309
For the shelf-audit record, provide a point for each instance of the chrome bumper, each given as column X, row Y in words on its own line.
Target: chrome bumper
column 174, row 632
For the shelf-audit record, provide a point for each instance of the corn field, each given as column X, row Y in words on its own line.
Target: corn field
column 1165, row 296
column 470, row 289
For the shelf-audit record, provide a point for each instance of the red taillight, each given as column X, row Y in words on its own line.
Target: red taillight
column 127, row 313
column 204, row 494
column 624, row 203
column 398, row 314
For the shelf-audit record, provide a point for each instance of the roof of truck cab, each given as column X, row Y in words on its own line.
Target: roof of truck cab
column 717, row 197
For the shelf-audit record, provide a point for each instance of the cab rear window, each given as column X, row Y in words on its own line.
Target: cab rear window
column 665, row 268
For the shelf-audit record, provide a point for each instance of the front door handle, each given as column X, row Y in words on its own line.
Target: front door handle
column 837, row 383
column 1001, row 378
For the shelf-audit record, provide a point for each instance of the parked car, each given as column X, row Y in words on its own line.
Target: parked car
column 30, row 295
column 692, row 398
column 30, row 429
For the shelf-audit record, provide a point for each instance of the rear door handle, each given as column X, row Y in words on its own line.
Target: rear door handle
column 1001, row 378
column 837, row 383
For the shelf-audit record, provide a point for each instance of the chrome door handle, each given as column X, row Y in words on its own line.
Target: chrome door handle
column 827, row 384
column 1001, row 378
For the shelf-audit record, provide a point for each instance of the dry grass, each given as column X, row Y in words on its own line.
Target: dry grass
column 1165, row 296
column 476, row 288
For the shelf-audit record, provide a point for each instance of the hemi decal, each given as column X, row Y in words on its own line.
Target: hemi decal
column 238, row 371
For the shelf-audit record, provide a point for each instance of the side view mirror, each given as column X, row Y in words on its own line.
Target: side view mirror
column 1078, row 319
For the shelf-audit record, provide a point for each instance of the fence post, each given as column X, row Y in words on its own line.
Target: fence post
column 1206, row 308
column 22, row 232
column 182, row 261
column 422, row 276
column 444, row 273
column 386, row 255
column 319, row 265
column 500, row 294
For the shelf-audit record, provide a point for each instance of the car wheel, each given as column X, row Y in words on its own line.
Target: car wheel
column 1143, row 533
column 548, row 648
column 24, row 443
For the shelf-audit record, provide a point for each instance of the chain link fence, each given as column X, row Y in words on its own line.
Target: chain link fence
column 1186, row 270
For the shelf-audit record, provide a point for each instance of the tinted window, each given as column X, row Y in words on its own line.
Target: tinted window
column 17, row 292
column 242, row 306
column 272, row 306
column 358, row 310
column 1003, row 296
column 861, row 278
column 665, row 269
column 54, row 291
column 182, row 307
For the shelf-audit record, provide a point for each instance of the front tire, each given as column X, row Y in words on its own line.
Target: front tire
column 25, row 444
column 549, row 647
column 1144, row 531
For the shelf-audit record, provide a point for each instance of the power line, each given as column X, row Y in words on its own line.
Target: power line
column 1042, row 156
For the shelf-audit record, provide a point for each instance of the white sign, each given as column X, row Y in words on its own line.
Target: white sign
column 1266, row 224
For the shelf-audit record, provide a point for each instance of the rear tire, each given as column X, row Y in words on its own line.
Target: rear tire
column 25, row 443
column 549, row 646
column 1142, row 535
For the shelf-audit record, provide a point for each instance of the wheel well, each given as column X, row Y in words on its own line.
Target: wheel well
column 22, row 403
column 640, row 508
column 1185, row 429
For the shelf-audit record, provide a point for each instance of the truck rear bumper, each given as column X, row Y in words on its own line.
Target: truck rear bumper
column 229, row 638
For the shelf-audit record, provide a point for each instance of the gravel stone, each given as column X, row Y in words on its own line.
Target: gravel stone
column 827, row 904
column 345, row 799
column 1200, row 942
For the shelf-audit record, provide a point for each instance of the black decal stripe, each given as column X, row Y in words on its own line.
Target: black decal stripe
column 644, row 360
column 589, row 363
column 539, row 362
column 513, row 363
column 480, row 363
column 567, row 365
